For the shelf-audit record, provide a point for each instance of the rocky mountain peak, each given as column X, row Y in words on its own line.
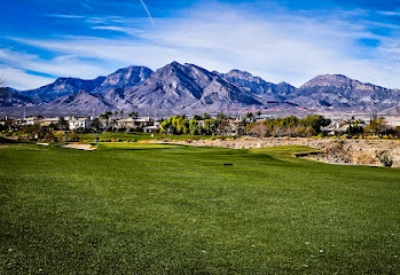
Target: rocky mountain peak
column 129, row 76
column 187, row 88
column 239, row 74
column 190, row 76
column 332, row 80
column 60, row 87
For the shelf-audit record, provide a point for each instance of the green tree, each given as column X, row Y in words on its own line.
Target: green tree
column 133, row 115
column 376, row 126
column 96, row 124
column 194, row 127
column 290, row 124
column 210, row 126
column 313, row 123
column 206, row 116
column 259, row 113
column 249, row 116
column 354, row 129
column 106, row 115
column 30, row 129
column 221, row 116
column 175, row 125
column 197, row 117
column 62, row 124
column 258, row 129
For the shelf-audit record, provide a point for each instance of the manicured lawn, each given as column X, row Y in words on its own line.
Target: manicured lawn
column 133, row 137
column 132, row 208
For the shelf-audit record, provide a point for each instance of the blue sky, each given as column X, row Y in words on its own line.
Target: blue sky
column 286, row 40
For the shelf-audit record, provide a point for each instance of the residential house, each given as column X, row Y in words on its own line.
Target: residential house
column 151, row 129
column 236, row 127
column 132, row 123
column 48, row 121
column 79, row 123
column 127, row 123
column 25, row 121
column 393, row 121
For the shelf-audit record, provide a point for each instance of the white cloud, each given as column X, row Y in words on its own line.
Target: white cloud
column 277, row 47
column 62, row 65
column 19, row 79
column 65, row 16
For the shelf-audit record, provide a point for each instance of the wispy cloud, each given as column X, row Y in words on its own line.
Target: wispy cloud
column 65, row 16
column 111, row 28
column 276, row 45
column 148, row 12
column 21, row 80
column 38, row 71
column 390, row 13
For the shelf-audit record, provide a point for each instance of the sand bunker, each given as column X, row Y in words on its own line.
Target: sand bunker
column 79, row 146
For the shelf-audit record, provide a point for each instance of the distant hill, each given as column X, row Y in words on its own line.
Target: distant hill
column 338, row 92
column 189, row 89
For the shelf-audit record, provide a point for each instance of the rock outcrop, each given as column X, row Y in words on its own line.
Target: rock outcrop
column 355, row 152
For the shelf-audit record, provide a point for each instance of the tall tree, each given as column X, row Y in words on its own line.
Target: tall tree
column 133, row 115
column 116, row 114
column 206, row 116
column 106, row 115
column 314, row 123
column 62, row 124
column 194, row 127
column 259, row 113
column 249, row 116
column 376, row 125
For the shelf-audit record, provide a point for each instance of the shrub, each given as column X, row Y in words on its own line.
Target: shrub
column 74, row 138
column 386, row 160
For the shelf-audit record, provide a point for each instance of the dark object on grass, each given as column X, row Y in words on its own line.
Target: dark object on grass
column 306, row 154
column 228, row 164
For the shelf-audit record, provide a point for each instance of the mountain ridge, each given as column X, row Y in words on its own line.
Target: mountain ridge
column 188, row 88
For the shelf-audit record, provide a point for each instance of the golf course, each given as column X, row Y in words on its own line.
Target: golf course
column 142, row 208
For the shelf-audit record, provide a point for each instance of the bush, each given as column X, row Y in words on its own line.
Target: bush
column 74, row 138
column 50, row 138
column 386, row 160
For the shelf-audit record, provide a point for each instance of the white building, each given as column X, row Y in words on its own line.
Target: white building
column 79, row 123
column 151, row 129
column 25, row 121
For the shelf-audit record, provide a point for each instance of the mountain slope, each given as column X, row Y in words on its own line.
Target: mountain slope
column 80, row 101
column 263, row 90
column 10, row 97
column 176, row 88
column 126, row 77
column 189, row 89
column 340, row 92
column 61, row 87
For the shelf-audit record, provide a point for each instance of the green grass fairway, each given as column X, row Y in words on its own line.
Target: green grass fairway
column 134, row 137
column 134, row 208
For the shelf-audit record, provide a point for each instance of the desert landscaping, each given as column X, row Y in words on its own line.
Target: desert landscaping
column 372, row 152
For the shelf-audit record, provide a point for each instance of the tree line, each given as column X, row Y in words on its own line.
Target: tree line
column 198, row 125
column 311, row 125
column 292, row 126
column 222, row 124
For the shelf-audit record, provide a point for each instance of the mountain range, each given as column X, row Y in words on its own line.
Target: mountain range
column 189, row 89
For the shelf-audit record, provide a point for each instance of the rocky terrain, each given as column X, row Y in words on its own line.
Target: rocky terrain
column 189, row 89
column 355, row 152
